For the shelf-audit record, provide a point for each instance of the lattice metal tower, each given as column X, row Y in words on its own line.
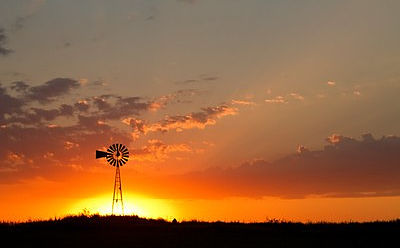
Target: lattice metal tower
column 117, row 155
column 117, row 195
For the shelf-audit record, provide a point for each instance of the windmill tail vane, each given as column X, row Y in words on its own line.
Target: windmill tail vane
column 116, row 155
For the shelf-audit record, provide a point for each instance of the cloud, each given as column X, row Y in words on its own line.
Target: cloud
column 70, row 145
column 101, row 102
column 116, row 107
column 277, row 100
column 30, row 8
column 180, row 96
column 346, row 167
column 45, row 145
column 8, row 104
column 15, row 108
column 20, row 22
column 35, row 116
column 52, row 89
column 98, row 83
column 301, row 149
column 19, row 86
column 82, row 105
column 297, row 96
column 40, row 130
column 195, row 120
column 48, row 152
column 17, row 99
column 3, row 38
column 210, row 78
column 201, row 79
column 156, row 151
column 243, row 102
column 284, row 99
column 123, row 106
column 138, row 126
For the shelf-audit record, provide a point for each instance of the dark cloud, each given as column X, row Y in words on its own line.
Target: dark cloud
column 19, row 86
column 91, row 123
column 28, row 152
column 3, row 38
column 42, row 139
column 34, row 144
column 116, row 107
column 8, row 105
column 101, row 103
column 39, row 116
column 106, row 107
column 346, row 167
column 48, row 91
column 201, row 79
column 82, row 106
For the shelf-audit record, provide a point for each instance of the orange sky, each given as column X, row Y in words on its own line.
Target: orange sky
column 231, row 110
column 33, row 201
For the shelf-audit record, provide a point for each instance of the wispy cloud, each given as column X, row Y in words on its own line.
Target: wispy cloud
column 276, row 100
column 201, row 79
column 297, row 96
column 243, row 102
column 285, row 99
column 156, row 151
column 195, row 120
column 3, row 39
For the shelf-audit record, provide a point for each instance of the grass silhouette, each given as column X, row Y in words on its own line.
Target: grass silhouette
column 132, row 231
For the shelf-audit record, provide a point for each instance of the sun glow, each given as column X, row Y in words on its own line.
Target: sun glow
column 133, row 205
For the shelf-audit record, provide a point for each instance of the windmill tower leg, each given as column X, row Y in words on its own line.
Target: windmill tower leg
column 117, row 195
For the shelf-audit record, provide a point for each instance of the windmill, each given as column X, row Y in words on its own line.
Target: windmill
column 117, row 155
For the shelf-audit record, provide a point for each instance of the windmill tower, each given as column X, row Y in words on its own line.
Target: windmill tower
column 117, row 155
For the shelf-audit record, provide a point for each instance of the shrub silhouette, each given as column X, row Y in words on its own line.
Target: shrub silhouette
column 132, row 231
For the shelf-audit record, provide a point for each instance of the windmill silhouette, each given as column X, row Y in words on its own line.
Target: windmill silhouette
column 117, row 155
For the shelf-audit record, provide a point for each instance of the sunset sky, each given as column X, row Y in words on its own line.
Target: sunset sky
column 231, row 110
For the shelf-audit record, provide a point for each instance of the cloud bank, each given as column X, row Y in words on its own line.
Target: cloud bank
column 346, row 167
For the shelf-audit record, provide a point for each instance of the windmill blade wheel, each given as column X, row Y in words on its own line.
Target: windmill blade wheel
column 118, row 155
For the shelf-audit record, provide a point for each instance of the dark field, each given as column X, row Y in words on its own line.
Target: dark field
column 131, row 231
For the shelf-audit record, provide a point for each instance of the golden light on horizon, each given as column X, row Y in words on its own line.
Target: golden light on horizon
column 133, row 205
